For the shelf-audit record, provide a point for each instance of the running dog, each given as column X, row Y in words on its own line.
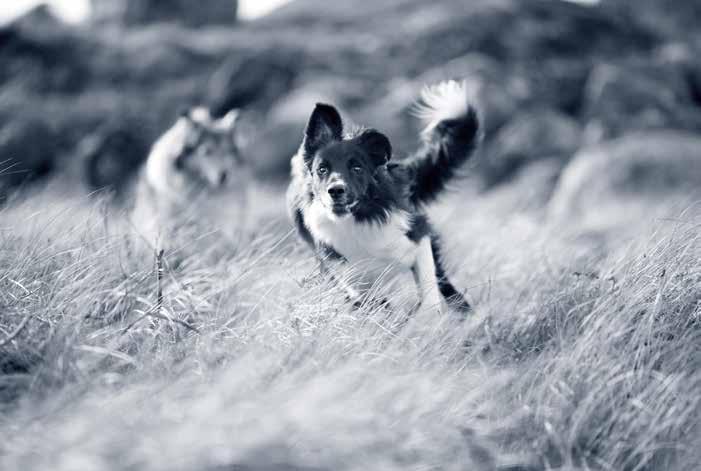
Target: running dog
column 353, row 204
column 194, row 176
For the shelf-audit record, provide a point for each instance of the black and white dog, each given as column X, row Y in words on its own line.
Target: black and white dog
column 352, row 204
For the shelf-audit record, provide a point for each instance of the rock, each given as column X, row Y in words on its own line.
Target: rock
column 39, row 15
column 669, row 18
column 40, row 54
column 684, row 58
column 643, row 169
column 27, row 149
column 279, row 133
column 255, row 80
column 530, row 188
column 557, row 83
column 531, row 135
column 638, row 95
column 536, row 29
column 356, row 57
column 186, row 12
column 112, row 155
column 557, row 29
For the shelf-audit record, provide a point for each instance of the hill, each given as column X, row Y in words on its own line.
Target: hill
column 575, row 236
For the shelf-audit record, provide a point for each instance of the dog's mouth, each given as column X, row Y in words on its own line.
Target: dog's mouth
column 340, row 209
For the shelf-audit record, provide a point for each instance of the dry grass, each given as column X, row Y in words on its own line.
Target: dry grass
column 583, row 353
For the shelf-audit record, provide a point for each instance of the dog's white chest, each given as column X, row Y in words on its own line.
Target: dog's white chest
column 366, row 243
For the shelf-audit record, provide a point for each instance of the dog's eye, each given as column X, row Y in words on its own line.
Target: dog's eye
column 357, row 169
column 322, row 170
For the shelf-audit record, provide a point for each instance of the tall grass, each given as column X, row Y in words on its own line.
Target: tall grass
column 583, row 351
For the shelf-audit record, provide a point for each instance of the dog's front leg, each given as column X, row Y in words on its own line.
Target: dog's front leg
column 424, row 271
column 328, row 256
column 352, row 294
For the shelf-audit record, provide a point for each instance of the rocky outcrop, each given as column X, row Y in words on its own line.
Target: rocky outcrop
column 646, row 168
column 639, row 95
column 41, row 55
column 530, row 136
column 112, row 154
column 27, row 148
column 559, row 69
column 141, row 12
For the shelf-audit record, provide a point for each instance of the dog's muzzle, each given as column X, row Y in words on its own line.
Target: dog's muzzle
column 341, row 201
column 337, row 191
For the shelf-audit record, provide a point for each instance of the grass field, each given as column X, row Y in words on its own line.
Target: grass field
column 583, row 352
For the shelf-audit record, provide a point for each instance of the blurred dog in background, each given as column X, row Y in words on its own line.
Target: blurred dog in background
column 351, row 203
column 194, row 177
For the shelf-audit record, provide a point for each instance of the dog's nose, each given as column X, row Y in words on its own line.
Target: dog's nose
column 337, row 190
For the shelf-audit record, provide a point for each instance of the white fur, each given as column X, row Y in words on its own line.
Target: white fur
column 445, row 100
column 163, row 200
column 228, row 120
column 160, row 159
column 425, row 276
column 201, row 115
column 372, row 246
column 160, row 220
column 377, row 250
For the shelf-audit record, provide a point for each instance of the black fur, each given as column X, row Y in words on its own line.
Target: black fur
column 324, row 126
column 377, row 146
column 386, row 193
column 449, row 145
column 383, row 186
column 326, row 252
column 420, row 227
column 302, row 228
column 450, row 294
column 357, row 163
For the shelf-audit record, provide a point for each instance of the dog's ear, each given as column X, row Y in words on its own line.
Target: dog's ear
column 200, row 114
column 324, row 126
column 377, row 146
column 227, row 124
column 228, row 121
column 192, row 117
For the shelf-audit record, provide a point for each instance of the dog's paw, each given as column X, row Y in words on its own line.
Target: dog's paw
column 427, row 310
column 459, row 307
column 370, row 304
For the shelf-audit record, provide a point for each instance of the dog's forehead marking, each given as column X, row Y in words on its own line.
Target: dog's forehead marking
column 340, row 151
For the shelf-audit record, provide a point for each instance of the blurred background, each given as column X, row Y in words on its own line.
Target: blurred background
column 98, row 80
column 570, row 236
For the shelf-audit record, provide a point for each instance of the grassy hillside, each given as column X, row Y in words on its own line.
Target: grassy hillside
column 582, row 353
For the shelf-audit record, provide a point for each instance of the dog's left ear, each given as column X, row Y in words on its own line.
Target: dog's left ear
column 228, row 121
column 377, row 146
column 324, row 126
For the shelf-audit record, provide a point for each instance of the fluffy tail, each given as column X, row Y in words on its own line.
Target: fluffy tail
column 451, row 135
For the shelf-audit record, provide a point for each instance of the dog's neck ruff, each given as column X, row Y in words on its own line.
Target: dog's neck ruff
column 363, row 241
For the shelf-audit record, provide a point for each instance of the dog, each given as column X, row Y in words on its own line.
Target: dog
column 352, row 204
column 194, row 176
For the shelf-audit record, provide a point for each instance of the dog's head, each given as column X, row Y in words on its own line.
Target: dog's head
column 342, row 169
column 209, row 152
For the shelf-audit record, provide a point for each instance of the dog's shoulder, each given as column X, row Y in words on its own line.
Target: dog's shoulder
column 298, row 197
column 299, row 189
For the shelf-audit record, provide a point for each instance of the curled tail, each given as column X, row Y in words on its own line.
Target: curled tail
column 451, row 135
